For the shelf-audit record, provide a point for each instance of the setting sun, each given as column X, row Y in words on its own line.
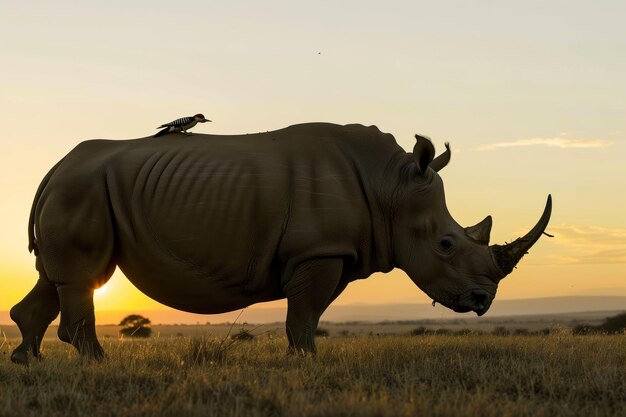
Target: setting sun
column 100, row 291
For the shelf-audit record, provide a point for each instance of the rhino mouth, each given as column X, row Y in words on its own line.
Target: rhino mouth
column 476, row 300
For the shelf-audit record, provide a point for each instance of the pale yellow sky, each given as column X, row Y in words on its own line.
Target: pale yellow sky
column 530, row 95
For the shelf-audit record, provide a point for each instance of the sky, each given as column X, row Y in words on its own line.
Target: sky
column 531, row 95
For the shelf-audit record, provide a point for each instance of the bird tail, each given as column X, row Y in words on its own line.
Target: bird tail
column 162, row 132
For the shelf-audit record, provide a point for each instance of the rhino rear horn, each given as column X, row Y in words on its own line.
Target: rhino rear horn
column 442, row 160
column 481, row 231
column 423, row 153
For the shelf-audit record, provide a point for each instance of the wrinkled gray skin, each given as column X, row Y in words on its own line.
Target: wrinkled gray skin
column 210, row 224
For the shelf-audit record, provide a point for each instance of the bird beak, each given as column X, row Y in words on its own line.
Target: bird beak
column 206, row 120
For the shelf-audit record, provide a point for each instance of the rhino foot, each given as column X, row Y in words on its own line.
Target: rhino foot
column 33, row 315
column 22, row 355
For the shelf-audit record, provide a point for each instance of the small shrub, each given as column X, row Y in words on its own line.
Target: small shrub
column 320, row 332
column 420, row 331
column 243, row 334
column 500, row 331
column 583, row 329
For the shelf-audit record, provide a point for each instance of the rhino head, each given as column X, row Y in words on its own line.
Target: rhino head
column 454, row 265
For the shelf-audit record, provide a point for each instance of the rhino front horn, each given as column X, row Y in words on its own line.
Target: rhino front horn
column 507, row 256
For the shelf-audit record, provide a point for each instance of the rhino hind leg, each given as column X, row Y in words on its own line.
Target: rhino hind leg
column 76, row 248
column 309, row 291
column 78, row 322
column 33, row 315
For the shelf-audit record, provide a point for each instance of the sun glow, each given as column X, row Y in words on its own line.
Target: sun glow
column 100, row 291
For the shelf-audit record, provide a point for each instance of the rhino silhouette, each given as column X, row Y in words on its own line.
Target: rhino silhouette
column 211, row 223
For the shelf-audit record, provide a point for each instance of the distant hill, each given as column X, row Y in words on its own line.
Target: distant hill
column 378, row 312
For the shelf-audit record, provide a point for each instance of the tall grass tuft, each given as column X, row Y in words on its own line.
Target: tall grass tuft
column 206, row 350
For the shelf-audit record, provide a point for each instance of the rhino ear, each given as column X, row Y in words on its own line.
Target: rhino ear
column 442, row 160
column 423, row 153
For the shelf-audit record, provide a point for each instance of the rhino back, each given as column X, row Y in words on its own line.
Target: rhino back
column 211, row 214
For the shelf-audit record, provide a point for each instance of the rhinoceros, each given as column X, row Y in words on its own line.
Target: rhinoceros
column 211, row 223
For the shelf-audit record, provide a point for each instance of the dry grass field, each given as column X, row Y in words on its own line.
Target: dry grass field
column 432, row 375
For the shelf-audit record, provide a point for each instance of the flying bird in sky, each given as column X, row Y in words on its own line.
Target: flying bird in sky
column 181, row 125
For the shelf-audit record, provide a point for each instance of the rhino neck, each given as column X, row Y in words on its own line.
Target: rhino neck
column 378, row 160
column 391, row 179
column 378, row 184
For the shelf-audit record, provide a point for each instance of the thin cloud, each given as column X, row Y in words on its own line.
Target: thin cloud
column 587, row 245
column 613, row 256
column 572, row 235
column 556, row 142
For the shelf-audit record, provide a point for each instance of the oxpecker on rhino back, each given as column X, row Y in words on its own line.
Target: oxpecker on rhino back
column 216, row 223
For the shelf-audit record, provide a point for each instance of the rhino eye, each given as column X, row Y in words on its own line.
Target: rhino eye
column 445, row 244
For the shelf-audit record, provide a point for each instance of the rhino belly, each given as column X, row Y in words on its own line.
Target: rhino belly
column 184, row 290
column 203, row 251
column 203, row 275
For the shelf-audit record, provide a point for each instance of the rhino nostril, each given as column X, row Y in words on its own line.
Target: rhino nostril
column 481, row 299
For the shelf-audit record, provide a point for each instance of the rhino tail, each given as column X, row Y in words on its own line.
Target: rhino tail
column 32, row 241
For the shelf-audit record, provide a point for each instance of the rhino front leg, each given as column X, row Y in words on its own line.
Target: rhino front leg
column 33, row 315
column 78, row 322
column 309, row 291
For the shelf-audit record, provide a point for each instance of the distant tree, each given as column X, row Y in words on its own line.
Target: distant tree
column 615, row 324
column 135, row 325
column 611, row 325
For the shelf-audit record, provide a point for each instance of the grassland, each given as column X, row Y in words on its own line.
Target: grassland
column 432, row 375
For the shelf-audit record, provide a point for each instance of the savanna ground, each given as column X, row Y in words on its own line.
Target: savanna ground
column 431, row 375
